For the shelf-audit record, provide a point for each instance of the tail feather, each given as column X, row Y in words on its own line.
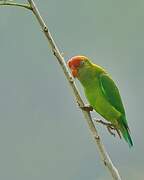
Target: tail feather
column 127, row 137
column 125, row 131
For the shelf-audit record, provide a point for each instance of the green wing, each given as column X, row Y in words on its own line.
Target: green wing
column 111, row 92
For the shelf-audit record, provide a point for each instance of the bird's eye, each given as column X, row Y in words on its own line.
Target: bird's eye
column 81, row 63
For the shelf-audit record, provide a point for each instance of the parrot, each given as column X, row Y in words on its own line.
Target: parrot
column 102, row 93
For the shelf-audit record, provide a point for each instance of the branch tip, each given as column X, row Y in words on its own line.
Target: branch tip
column 27, row 6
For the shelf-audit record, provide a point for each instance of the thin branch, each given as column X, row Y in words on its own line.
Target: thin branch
column 102, row 151
column 27, row 6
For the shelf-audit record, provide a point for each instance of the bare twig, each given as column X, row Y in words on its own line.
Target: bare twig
column 5, row 3
column 103, row 153
column 101, row 149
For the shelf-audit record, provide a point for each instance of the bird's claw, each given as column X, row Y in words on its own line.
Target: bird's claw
column 110, row 128
column 87, row 108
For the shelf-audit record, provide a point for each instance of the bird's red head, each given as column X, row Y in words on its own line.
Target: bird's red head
column 74, row 63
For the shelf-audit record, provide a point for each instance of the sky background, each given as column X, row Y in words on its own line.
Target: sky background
column 43, row 134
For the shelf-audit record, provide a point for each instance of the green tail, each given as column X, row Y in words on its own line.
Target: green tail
column 125, row 131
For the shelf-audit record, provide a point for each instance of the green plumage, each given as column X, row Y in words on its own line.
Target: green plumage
column 103, row 96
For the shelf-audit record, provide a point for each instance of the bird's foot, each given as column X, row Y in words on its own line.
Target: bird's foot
column 86, row 107
column 110, row 127
column 118, row 132
column 110, row 130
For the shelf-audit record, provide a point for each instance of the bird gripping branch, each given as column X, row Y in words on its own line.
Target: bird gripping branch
column 102, row 93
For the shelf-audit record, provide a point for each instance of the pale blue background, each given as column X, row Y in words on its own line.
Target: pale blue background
column 43, row 134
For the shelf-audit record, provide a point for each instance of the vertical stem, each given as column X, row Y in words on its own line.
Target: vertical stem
column 101, row 149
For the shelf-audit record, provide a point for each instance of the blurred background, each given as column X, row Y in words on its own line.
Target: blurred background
column 43, row 134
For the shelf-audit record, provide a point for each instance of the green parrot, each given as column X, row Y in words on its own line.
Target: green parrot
column 102, row 93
